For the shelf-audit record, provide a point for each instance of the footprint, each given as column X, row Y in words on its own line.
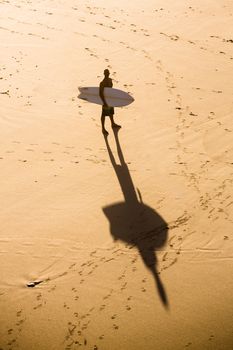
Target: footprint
column 102, row 307
column 19, row 313
column 66, row 306
column 37, row 307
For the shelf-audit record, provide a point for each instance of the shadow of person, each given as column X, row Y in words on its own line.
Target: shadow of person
column 134, row 222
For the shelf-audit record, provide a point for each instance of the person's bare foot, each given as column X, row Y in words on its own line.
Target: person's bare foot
column 116, row 126
column 104, row 131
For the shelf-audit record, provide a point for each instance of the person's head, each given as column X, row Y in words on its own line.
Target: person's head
column 106, row 73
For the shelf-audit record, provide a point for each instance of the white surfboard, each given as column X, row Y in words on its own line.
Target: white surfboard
column 113, row 97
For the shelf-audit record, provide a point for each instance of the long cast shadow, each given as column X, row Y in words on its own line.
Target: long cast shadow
column 134, row 222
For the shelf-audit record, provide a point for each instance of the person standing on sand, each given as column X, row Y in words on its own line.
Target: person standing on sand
column 106, row 110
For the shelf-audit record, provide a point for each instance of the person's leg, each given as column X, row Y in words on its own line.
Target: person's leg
column 114, row 125
column 103, row 127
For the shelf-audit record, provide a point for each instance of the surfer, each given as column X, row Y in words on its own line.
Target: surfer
column 106, row 110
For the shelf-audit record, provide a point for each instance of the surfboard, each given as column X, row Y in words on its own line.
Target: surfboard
column 113, row 97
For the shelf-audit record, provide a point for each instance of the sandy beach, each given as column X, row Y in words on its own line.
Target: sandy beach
column 121, row 242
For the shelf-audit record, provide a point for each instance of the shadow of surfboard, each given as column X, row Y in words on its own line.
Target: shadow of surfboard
column 134, row 222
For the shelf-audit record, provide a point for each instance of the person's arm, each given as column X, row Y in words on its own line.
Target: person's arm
column 101, row 94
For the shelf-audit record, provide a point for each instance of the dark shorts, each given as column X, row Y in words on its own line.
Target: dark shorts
column 107, row 111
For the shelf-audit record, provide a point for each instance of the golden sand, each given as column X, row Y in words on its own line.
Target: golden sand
column 126, row 242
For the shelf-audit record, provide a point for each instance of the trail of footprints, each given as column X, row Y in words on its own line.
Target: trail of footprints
column 14, row 332
column 80, row 318
column 14, row 91
column 174, row 37
column 114, row 24
column 109, row 21
column 55, row 153
column 217, row 203
column 8, row 73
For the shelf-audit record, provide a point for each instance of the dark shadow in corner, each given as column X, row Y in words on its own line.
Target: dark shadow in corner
column 134, row 222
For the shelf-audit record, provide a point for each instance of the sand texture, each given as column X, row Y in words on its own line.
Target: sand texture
column 121, row 242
